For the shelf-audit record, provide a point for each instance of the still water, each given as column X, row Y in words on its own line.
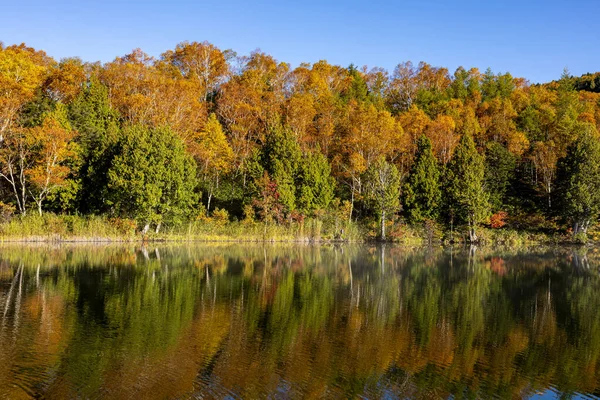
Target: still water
column 231, row 321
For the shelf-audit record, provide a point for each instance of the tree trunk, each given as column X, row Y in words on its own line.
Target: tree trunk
column 157, row 228
column 351, row 203
column 580, row 226
column 146, row 228
column 383, row 225
column 208, row 202
column 472, row 234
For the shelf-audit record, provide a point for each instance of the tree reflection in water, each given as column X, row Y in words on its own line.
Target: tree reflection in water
column 297, row 321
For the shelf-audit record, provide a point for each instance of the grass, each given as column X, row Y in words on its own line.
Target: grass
column 58, row 228
column 75, row 228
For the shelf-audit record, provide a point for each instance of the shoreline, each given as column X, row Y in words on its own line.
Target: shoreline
column 199, row 239
column 57, row 228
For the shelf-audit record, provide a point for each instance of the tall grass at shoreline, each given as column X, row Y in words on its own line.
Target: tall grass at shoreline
column 75, row 228
column 52, row 227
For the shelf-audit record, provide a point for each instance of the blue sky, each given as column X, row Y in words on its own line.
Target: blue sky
column 531, row 39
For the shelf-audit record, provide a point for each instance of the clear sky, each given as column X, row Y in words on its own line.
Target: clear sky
column 531, row 39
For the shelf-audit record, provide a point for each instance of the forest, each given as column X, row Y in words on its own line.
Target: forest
column 204, row 134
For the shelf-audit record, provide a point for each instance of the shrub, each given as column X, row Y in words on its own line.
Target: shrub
column 498, row 220
column 7, row 212
column 220, row 216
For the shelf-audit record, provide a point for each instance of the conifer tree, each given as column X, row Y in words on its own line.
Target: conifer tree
column 98, row 126
column 152, row 179
column 315, row 184
column 500, row 165
column 422, row 193
column 281, row 159
column 579, row 182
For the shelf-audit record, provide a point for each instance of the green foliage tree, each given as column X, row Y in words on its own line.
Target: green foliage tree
column 500, row 165
column 33, row 113
column 382, row 186
column 152, row 179
column 579, row 182
column 281, row 159
column 422, row 194
column 98, row 125
column 467, row 201
column 315, row 185
column 492, row 86
column 357, row 90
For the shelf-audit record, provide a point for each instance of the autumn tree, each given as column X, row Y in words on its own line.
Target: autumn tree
column 544, row 156
column 442, row 133
column 200, row 62
column 214, row 156
column 22, row 70
column 366, row 134
column 145, row 93
column 299, row 115
column 65, row 80
column 466, row 199
column 403, row 87
column 52, row 146
column 16, row 156
column 249, row 105
column 382, row 186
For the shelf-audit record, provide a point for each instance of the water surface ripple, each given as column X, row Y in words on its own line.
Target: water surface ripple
column 291, row 321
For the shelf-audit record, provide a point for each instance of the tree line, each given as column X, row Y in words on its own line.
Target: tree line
column 200, row 130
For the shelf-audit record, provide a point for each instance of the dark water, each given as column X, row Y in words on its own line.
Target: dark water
column 230, row 321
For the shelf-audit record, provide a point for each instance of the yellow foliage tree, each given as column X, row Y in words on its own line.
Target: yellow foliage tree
column 213, row 154
column 53, row 145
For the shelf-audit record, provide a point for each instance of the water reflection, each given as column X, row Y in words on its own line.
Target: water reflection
column 297, row 321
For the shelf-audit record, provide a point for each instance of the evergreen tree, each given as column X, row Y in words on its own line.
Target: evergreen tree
column 98, row 126
column 500, row 165
column 281, row 159
column 152, row 179
column 579, row 182
column 357, row 89
column 315, row 184
column 422, row 193
column 34, row 112
column 467, row 201
column 382, row 184
column 458, row 87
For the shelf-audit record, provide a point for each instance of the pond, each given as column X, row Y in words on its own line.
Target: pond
column 298, row 321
